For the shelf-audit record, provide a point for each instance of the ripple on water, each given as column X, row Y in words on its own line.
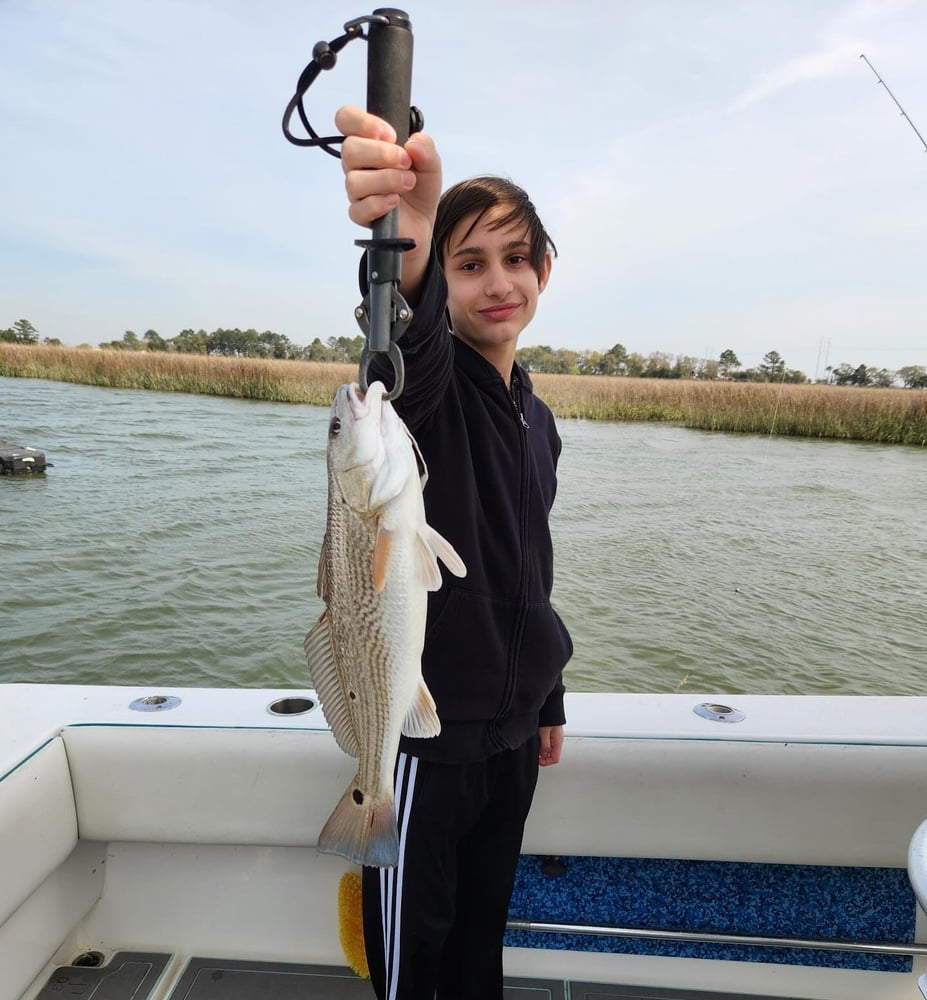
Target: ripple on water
column 176, row 541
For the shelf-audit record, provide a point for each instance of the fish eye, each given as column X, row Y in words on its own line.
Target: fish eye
column 334, row 428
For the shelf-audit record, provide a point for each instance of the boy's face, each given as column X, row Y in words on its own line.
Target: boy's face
column 492, row 288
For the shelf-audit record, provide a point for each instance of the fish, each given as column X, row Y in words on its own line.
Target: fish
column 379, row 560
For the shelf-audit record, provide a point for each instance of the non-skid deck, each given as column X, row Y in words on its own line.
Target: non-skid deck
column 136, row 975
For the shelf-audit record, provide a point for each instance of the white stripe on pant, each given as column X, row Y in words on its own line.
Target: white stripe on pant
column 391, row 878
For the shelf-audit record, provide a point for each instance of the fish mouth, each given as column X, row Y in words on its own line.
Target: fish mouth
column 363, row 401
column 357, row 401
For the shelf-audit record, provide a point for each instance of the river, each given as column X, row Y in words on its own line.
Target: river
column 176, row 538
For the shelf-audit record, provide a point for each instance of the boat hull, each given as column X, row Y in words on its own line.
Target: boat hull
column 672, row 849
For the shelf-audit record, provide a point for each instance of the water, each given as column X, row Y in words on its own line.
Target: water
column 741, row 563
column 176, row 539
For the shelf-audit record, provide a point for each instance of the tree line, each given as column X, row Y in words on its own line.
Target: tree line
column 232, row 343
column 658, row 364
column 617, row 360
column 727, row 367
column 236, row 343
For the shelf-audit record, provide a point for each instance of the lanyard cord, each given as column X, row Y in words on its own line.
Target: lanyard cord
column 384, row 315
column 324, row 56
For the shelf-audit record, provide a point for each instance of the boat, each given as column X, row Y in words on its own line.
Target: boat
column 159, row 844
column 17, row 459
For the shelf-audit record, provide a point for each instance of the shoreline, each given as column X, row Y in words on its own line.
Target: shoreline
column 848, row 413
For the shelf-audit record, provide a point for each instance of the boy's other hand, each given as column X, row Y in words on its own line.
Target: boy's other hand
column 550, row 745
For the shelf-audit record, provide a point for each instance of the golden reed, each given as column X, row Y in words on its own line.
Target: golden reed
column 242, row 378
column 889, row 416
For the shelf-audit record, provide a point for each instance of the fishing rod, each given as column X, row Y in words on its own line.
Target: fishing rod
column 904, row 114
column 384, row 314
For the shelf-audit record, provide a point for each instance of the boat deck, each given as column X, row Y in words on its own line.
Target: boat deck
column 141, row 976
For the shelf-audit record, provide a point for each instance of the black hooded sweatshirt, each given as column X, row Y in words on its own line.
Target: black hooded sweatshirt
column 494, row 646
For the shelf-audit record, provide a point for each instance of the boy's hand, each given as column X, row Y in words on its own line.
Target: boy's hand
column 379, row 175
column 550, row 745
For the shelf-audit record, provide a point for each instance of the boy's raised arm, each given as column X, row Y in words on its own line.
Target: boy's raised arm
column 379, row 175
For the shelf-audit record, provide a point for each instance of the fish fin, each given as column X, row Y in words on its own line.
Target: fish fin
column 446, row 552
column 422, row 720
column 389, row 481
column 335, row 702
column 426, row 562
column 321, row 582
column 381, row 550
column 362, row 828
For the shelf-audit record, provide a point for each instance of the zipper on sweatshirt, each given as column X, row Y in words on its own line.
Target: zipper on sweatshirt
column 515, row 394
column 522, row 613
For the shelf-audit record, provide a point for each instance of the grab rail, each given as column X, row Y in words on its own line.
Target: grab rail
column 698, row 937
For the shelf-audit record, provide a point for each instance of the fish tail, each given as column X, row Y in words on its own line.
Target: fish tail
column 362, row 829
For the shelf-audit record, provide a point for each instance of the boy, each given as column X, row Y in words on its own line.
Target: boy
column 494, row 647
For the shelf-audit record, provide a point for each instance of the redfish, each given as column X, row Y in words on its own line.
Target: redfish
column 379, row 560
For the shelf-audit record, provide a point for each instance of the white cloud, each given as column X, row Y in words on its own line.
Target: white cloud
column 823, row 64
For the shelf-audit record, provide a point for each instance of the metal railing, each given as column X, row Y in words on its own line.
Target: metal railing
column 700, row 937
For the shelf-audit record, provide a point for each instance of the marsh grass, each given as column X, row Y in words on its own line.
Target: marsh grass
column 889, row 416
column 242, row 378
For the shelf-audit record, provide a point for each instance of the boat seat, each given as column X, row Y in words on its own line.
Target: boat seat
column 204, row 785
column 38, row 823
column 746, row 802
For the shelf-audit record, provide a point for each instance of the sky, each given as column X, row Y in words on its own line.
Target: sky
column 716, row 174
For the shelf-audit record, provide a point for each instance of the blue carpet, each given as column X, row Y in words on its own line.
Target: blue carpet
column 805, row 901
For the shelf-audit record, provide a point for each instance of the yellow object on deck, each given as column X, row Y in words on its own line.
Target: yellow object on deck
column 351, row 923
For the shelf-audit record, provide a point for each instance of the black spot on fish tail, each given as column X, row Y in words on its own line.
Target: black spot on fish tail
column 358, row 796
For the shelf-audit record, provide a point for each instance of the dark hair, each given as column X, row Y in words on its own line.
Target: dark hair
column 480, row 194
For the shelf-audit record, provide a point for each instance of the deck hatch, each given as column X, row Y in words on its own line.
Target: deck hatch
column 128, row 975
column 228, row 979
column 533, row 989
column 224, row 979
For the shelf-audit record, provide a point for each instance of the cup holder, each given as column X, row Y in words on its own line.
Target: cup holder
column 291, row 706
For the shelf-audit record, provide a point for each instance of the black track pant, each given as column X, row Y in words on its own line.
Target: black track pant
column 433, row 925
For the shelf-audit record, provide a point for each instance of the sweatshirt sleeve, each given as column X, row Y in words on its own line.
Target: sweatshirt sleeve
column 552, row 713
column 427, row 352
